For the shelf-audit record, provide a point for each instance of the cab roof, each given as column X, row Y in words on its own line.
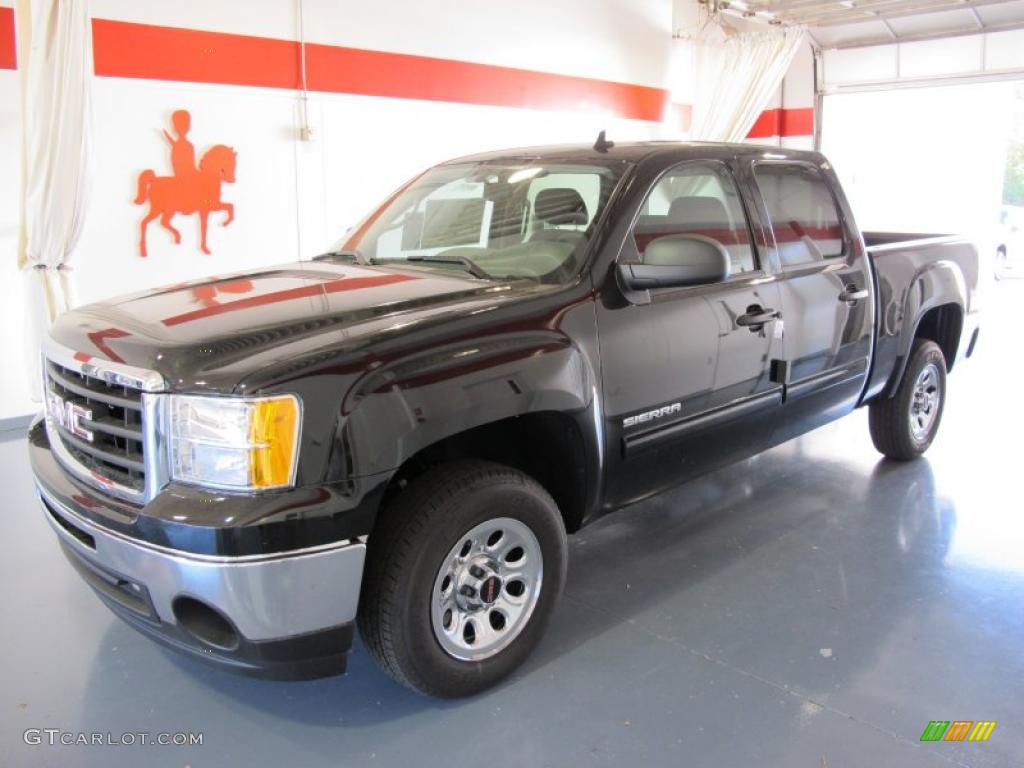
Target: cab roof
column 635, row 151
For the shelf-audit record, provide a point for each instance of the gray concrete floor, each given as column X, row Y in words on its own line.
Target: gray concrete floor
column 814, row 606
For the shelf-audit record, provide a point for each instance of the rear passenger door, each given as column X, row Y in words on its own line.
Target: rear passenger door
column 824, row 283
column 686, row 373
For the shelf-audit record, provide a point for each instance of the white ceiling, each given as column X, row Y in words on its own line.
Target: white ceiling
column 851, row 23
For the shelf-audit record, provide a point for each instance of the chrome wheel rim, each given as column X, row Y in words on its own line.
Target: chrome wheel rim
column 925, row 401
column 486, row 589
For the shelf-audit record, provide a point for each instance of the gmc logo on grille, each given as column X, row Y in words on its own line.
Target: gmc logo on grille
column 68, row 414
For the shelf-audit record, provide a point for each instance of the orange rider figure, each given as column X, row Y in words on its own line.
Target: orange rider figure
column 183, row 154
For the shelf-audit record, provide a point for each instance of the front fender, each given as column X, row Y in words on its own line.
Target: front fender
column 396, row 410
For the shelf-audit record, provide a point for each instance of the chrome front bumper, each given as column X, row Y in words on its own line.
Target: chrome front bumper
column 288, row 608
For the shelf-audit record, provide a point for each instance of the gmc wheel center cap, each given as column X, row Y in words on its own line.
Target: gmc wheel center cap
column 490, row 589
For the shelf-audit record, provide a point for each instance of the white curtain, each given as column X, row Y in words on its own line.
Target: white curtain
column 55, row 64
column 736, row 78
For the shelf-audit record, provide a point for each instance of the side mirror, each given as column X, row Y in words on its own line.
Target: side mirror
column 675, row 261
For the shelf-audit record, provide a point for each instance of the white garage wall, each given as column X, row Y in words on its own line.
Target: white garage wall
column 364, row 146
column 13, row 386
column 295, row 198
column 797, row 95
column 620, row 40
column 257, row 123
column 788, row 120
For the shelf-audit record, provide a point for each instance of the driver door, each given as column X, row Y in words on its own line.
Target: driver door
column 686, row 376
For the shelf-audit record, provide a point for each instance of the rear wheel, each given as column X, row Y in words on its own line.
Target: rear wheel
column 904, row 426
column 462, row 574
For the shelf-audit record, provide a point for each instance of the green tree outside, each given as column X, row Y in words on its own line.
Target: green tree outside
column 1013, row 180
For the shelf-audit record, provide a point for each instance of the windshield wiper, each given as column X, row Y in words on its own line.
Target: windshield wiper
column 352, row 254
column 471, row 266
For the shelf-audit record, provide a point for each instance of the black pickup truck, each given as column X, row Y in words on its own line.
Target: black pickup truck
column 400, row 433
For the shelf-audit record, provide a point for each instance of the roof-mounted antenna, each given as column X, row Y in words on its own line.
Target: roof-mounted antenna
column 602, row 144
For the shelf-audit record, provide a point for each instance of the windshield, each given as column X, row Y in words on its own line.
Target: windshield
column 507, row 220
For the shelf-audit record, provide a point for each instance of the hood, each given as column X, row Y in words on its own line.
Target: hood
column 211, row 333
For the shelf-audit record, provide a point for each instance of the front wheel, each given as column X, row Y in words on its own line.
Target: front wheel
column 904, row 425
column 462, row 573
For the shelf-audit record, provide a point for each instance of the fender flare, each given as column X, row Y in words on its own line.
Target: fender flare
column 405, row 406
column 938, row 284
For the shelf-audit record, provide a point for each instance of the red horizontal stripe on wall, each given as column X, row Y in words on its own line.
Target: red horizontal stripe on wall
column 376, row 73
column 768, row 124
column 783, row 122
column 8, row 52
column 123, row 49
column 798, row 122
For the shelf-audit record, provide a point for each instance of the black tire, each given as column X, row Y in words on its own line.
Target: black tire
column 410, row 540
column 890, row 418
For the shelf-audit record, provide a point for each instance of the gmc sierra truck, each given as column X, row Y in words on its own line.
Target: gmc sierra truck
column 399, row 434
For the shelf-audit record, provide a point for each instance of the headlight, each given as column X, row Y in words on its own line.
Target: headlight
column 234, row 443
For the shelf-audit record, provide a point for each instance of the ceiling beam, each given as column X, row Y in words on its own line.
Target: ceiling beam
column 831, row 12
column 784, row 6
column 916, row 38
column 888, row 9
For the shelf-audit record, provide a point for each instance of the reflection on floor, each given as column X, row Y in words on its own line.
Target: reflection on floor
column 813, row 606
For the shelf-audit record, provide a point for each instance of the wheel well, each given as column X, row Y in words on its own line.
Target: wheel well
column 942, row 325
column 547, row 446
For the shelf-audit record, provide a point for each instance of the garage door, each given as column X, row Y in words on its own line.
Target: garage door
column 919, row 131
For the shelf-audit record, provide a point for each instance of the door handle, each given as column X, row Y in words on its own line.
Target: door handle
column 851, row 295
column 756, row 317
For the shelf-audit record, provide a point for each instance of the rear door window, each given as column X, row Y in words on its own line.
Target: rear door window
column 802, row 213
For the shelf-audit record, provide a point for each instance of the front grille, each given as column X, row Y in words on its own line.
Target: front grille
column 115, row 453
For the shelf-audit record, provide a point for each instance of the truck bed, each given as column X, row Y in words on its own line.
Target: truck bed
column 875, row 240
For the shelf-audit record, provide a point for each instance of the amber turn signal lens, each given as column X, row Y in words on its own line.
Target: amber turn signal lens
column 273, row 433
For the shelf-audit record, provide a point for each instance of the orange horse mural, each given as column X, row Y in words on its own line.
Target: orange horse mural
column 190, row 190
